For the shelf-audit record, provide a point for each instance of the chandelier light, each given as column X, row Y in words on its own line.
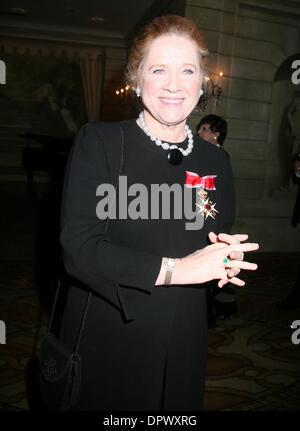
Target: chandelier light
column 121, row 92
column 212, row 92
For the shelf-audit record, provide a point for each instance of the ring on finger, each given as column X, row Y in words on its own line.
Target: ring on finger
column 234, row 272
column 241, row 256
column 237, row 255
column 225, row 261
column 228, row 271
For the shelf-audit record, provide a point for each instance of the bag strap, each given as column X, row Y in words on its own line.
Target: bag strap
column 121, row 157
column 89, row 296
column 83, row 319
column 54, row 305
column 90, row 293
column 83, row 322
column 116, row 174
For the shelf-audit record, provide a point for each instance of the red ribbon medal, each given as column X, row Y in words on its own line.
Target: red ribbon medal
column 205, row 205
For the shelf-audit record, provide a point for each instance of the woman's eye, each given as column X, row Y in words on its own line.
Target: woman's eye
column 158, row 71
column 188, row 71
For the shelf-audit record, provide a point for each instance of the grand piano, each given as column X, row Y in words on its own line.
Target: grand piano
column 51, row 157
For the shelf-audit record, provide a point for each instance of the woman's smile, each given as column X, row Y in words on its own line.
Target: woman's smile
column 171, row 101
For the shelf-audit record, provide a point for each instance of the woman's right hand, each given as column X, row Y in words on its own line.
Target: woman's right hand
column 208, row 264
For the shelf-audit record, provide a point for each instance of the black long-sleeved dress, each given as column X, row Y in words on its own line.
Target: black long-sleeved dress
column 144, row 347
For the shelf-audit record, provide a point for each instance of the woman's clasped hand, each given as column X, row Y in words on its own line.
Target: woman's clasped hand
column 222, row 260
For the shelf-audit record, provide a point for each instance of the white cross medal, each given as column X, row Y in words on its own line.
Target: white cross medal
column 205, row 205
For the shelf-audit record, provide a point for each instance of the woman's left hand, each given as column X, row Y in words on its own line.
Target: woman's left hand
column 234, row 255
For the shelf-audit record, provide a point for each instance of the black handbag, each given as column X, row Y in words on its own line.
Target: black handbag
column 60, row 367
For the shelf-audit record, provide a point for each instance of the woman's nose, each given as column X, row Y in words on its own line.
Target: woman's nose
column 173, row 82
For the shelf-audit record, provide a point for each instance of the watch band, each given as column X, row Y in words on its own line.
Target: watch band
column 170, row 266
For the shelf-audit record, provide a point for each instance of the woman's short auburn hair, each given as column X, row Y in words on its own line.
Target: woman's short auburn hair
column 161, row 26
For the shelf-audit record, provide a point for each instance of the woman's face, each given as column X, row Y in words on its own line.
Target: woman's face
column 207, row 134
column 170, row 79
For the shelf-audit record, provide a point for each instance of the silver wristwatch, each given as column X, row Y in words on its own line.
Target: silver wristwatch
column 170, row 266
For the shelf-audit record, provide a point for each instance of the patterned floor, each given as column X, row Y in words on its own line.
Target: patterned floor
column 253, row 364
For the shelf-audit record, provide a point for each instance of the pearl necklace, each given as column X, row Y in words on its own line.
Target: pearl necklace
column 165, row 145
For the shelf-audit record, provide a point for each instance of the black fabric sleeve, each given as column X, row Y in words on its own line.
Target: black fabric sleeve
column 226, row 216
column 88, row 253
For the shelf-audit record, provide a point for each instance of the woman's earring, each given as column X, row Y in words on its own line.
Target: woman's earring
column 201, row 92
column 138, row 91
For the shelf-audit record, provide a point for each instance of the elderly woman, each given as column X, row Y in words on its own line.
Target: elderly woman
column 144, row 343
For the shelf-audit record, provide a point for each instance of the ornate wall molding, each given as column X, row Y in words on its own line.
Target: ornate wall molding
column 34, row 47
column 59, row 33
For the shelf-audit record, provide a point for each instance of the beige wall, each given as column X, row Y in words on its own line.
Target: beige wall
column 248, row 41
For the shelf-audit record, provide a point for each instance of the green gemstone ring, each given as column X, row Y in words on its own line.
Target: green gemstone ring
column 225, row 261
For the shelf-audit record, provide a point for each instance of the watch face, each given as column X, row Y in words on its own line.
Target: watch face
column 171, row 264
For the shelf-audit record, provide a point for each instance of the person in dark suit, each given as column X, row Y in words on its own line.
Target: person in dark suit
column 296, row 180
column 220, row 304
column 213, row 129
column 292, row 300
column 144, row 344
